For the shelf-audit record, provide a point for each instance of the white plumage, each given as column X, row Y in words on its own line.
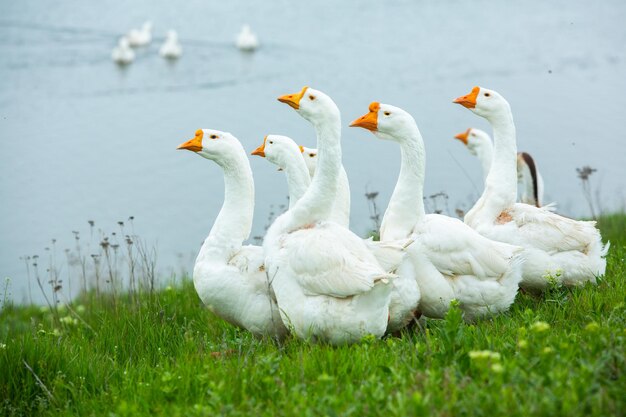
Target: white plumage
column 529, row 179
column 327, row 283
column 450, row 260
column 341, row 206
column 122, row 54
column 171, row 48
column 557, row 248
column 140, row 37
column 247, row 40
column 230, row 278
column 283, row 152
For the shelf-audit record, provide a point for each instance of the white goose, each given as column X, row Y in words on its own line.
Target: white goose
column 557, row 248
column 529, row 179
column 122, row 54
column 452, row 261
column 230, row 278
column 283, row 152
column 246, row 40
column 171, row 48
column 328, row 284
column 140, row 37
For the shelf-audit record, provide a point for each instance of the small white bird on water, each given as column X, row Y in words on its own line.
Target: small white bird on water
column 122, row 54
column 246, row 40
column 140, row 37
column 171, row 49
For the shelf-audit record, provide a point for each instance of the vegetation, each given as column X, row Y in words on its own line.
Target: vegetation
column 160, row 352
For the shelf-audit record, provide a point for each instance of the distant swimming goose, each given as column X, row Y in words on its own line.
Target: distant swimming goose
column 122, row 54
column 247, row 40
column 530, row 180
column 140, row 37
column 171, row 49
column 557, row 248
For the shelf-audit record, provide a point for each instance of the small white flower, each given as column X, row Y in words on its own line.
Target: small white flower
column 484, row 354
column 497, row 368
column 539, row 326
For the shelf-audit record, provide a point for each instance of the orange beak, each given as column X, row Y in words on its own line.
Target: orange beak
column 368, row 121
column 260, row 151
column 463, row 136
column 293, row 99
column 469, row 100
column 194, row 144
column 301, row 148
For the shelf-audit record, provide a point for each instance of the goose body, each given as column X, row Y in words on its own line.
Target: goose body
column 557, row 248
column 247, row 40
column 122, row 54
column 451, row 261
column 229, row 277
column 283, row 152
column 171, row 49
column 140, row 37
column 328, row 284
column 529, row 179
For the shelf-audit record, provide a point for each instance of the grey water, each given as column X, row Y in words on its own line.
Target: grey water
column 82, row 139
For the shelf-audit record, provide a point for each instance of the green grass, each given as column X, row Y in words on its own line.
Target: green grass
column 563, row 353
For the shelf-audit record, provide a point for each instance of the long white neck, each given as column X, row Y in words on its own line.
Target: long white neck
column 502, row 178
column 501, row 184
column 406, row 207
column 298, row 179
column 317, row 202
column 234, row 221
column 341, row 208
column 485, row 155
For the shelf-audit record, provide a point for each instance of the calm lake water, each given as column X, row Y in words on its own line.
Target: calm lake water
column 82, row 139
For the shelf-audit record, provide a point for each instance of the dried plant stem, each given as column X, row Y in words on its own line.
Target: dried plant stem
column 40, row 382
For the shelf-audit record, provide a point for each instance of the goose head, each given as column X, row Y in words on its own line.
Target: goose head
column 475, row 139
column 484, row 102
column 278, row 150
column 310, row 159
column 311, row 104
column 215, row 145
column 386, row 122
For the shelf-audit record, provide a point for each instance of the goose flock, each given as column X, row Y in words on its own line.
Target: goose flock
column 123, row 53
column 317, row 280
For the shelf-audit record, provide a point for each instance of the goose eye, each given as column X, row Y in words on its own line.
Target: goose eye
column 311, row 97
column 213, row 136
column 473, row 134
column 487, row 94
column 387, row 113
column 271, row 142
column 311, row 155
